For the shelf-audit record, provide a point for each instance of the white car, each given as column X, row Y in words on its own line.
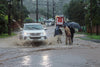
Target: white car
column 48, row 23
column 33, row 32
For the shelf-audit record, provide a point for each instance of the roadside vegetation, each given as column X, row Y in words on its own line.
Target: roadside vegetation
column 94, row 36
column 6, row 35
column 84, row 12
column 16, row 13
column 89, row 36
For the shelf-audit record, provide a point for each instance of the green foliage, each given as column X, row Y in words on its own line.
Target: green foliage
column 19, row 10
column 94, row 36
column 6, row 35
column 94, row 12
column 28, row 20
column 16, row 13
column 3, row 25
column 3, row 9
column 65, row 8
column 75, row 11
column 87, row 21
column 96, row 19
column 6, row 18
column 89, row 36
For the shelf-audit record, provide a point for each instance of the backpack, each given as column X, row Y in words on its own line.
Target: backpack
column 60, row 31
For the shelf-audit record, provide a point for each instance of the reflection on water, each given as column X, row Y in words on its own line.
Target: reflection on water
column 45, row 61
column 26, row 60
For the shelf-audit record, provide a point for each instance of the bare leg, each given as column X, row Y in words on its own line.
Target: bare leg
column 60, row 39
column 66, row 40
column 70, row 40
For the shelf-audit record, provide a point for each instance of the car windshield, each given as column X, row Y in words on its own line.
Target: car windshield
column 33, row 27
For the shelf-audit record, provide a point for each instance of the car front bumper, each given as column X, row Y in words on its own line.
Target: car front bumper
column 30, row 38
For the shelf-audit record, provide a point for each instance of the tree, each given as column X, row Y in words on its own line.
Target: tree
column 3, row 23
column 93, row 12
column 75, row 11
column 15, row 13
column 65, row 8
column 17, row 10
column 28, row 20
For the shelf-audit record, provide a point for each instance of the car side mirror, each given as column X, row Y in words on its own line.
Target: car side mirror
column 45, row 28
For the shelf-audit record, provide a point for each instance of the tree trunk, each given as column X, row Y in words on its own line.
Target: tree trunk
column 97, row 32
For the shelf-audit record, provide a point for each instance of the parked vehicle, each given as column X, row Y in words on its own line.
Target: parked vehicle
column 49, row 23
column 33, row 32
column 59, row 20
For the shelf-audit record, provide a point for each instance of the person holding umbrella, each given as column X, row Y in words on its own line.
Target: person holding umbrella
column 72, row 30
column 71, row 26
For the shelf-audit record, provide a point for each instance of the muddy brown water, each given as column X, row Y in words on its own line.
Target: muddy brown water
column 49, row 41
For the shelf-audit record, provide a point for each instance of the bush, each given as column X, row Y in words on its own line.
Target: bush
column 3, row 25
column 28, row 20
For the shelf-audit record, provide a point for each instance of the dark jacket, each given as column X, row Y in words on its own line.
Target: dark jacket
column 72, row 30
column 57, row 32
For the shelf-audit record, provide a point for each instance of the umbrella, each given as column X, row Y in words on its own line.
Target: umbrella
column 65, row 24
column 74, row 25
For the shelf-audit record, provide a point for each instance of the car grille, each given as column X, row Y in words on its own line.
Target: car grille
column 35, row 34
column 35, row 37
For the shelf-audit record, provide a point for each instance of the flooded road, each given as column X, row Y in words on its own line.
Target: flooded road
column 49, row 57
column 52, row 58
column 82, row 53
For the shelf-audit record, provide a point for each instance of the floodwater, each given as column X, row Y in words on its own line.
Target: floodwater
column 19, row 53
column 51, row 40
column 52, row 58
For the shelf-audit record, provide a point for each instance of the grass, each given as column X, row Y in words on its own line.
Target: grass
column 82, row 33
column 6, row 35
column 84, row 38
column 93, row 36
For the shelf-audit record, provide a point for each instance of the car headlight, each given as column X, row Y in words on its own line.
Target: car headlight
column 25, row 33
column 44, row 33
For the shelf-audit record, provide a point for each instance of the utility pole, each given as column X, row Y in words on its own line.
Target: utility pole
column 47, row 10
column 36, row 11
column 53, row 9
column 91, row 16
column 21, row 13
column 9, row 17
